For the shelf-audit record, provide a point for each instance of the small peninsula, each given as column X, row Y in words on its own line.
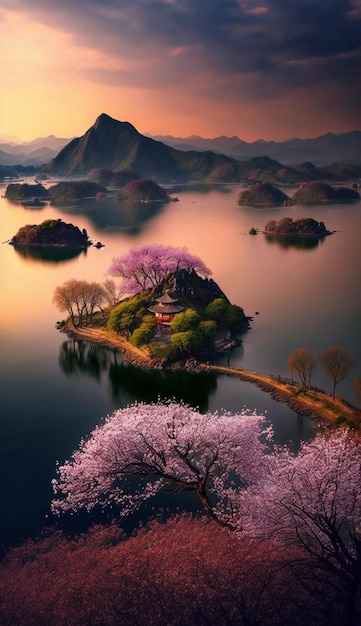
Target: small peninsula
column 51, row 233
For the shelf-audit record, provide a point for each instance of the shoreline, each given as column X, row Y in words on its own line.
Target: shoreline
column 317, row 405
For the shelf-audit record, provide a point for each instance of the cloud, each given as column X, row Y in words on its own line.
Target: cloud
column 285, row 41
column 224, row 49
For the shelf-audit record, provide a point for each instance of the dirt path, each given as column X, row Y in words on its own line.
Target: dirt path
column 110, row 340
column 316, row 405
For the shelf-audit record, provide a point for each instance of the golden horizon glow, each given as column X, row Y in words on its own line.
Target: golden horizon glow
column 58, row 78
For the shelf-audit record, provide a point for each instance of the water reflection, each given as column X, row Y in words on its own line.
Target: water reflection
column 203, row 188
column 135, row 383
column 295, row 241
column 49, row 254
column 83, row 357
column 110, row 215
column 150, row 385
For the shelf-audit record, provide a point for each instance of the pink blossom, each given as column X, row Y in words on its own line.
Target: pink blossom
column 145, row 267
column 142, row 449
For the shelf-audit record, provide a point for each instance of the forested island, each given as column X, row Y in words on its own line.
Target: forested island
column 143, row 190
column 320, row 192
column 263, row 194
column 51, row 233
column 316, row 192
column 167, row 305
column 66, row 192
column 303, row 226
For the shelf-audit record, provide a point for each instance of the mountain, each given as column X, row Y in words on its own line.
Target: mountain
column 322, row 150
column 35, row 152
column 115, row 145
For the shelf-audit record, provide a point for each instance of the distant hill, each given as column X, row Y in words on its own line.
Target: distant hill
column 35, row 152
column 322, row 150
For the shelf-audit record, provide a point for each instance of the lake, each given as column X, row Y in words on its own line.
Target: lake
column 55, row 391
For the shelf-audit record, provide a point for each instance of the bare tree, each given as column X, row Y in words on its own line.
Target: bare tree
column 302, row 362
column 79, row 298
column 337, row 364
column 111, row 292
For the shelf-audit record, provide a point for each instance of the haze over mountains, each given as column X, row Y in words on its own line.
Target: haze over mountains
column 35, row 152
column 114, row 145
column 322, row 150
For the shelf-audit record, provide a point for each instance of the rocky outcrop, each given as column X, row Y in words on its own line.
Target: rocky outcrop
column 190, row 287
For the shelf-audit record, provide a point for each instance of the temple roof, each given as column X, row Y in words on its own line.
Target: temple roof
column 166, row 298
column 165, row 309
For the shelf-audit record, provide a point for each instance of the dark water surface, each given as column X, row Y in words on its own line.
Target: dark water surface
column 54, row 391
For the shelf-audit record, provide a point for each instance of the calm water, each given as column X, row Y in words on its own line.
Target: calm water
column 54, row 391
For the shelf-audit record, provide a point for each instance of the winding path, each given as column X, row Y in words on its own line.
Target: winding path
column 316, row 405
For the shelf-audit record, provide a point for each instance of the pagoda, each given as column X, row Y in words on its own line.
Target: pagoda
column 165, row 309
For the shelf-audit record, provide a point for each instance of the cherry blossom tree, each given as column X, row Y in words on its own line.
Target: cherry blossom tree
column 184, row 571
column 145, row 267
column 144, row 449
column 313, row 500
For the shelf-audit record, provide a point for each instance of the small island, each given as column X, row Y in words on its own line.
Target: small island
column 51, row 233
column 263, row 194
column 318, row 192
column 25, row 191
column 143, row 190
column 108, row 178
column 166, row 312
column 69, row 192
column 303, row 226
column 66, row 192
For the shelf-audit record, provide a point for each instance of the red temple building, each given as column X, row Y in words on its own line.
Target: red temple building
column 165, row 309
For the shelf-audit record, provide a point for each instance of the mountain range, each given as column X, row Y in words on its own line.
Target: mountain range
column 323, row 150
column 113, row 145
column 35, row 152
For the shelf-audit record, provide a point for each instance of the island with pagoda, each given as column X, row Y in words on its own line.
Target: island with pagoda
column 184, row 316
column 171, row 310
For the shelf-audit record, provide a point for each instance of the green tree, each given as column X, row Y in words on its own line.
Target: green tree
column 207, row 330
column 186, row 320
column 184, row 343
column 302, row 362
column 234, row 318
column 216, row 310
column 127, row 316
column 141, row 336
column 337, row 364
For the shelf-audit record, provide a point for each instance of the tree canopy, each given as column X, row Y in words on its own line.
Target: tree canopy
column 144, row 449
column 145, row 267
column 337, row 364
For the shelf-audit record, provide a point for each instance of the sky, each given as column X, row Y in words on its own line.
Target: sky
column 271, row 69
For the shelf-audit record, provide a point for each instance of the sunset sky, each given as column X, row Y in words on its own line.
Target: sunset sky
column 274, row 69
